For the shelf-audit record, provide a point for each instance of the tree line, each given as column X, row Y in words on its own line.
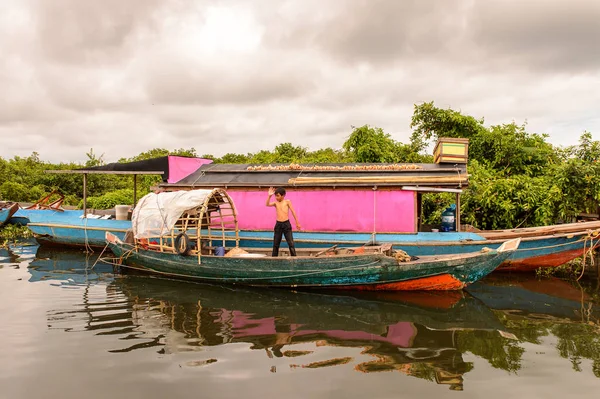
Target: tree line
column 517, row 178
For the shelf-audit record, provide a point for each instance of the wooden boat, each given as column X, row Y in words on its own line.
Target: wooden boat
column 551, row 247
column 169, row 228
column 7, row 209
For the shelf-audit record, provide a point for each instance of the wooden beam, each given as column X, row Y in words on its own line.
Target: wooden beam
column 457, row 218
column 134, row 190
column 103, row 172
column 85, row 195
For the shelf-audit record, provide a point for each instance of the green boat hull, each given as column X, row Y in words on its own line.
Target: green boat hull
column 374, row 271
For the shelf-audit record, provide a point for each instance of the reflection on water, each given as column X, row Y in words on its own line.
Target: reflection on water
column 438, row 337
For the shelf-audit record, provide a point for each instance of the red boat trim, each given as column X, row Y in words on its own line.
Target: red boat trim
column 439, row 282
column 530, row 264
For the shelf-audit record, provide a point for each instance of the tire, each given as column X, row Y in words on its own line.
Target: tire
column 182, row 244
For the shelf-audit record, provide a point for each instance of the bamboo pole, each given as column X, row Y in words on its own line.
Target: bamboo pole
column 134, row 190
column 85, row 195
column 457, row 219
column 222, row 227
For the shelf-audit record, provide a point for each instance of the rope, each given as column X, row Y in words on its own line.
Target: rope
column 88, row 248
column 459, row 182
column 590, row 237
column 99, row 256
column 553, row 246
column 374, row 234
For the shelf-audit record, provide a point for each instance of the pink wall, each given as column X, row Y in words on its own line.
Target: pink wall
column 339, row 210
column 180, row 167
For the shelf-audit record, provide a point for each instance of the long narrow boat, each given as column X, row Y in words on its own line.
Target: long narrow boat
column 165, row 225
column 7, row 209
column 368, row 271
column 547, row 246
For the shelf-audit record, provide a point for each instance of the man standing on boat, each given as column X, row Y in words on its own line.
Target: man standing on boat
column 283, row 227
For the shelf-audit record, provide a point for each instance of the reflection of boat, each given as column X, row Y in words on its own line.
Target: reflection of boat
column 546, row 298
column 71, row 266
column 165, row 221
column 6, row 256
column 7, row 209
column 14, row 253
column 412, row 332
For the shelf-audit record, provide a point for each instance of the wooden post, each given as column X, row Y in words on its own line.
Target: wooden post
column 134, row 190
column 597, row 261
column 419, row 211
column 457, row 219
column 85, row 195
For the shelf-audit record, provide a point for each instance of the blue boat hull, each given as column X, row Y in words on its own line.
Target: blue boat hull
column 70, row 229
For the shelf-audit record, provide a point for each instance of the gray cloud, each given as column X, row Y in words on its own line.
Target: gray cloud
column 539, row 35
column 90, row 32
column 236, row 76
column 243, row 81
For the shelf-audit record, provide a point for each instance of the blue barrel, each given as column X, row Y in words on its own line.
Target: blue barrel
column 449, row 219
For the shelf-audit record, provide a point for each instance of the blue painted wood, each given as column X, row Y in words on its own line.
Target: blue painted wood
column 69, row 228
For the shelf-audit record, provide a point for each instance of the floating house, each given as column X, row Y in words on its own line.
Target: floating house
column 371, row 198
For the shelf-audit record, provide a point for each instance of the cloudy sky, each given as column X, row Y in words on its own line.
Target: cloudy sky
column 221, row 76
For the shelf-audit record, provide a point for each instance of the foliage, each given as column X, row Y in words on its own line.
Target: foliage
column 367, row 144
column 500, row 352
column 507, row 148
column 433, row 205
column 110, row 199
column 495, row 201
column 12, row 233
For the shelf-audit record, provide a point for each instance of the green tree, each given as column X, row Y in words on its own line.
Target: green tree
column 370, row 144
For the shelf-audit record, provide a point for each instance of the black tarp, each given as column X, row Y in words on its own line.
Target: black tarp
column 159, row 164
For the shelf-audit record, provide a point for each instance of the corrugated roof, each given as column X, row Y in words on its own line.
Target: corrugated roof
column 245, row 175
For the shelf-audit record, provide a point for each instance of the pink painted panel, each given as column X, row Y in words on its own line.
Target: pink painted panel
column 339, row 210
column 181, row 167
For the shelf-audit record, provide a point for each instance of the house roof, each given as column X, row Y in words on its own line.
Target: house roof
column 324, row 175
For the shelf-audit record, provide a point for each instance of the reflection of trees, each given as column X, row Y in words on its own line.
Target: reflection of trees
column 577, row 341
column 501, row 353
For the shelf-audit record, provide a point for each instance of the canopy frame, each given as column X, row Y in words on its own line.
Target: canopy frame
column 206, row 226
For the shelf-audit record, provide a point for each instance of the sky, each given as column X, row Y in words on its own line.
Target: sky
column 123, row 77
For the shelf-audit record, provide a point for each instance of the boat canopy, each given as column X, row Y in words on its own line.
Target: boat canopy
column 157, row 214
column 186, row 222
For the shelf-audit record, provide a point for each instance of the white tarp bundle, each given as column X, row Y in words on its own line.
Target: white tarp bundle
column 156, row 214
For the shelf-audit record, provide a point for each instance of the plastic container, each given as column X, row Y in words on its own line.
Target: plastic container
column 449, row 219
column 121, row 212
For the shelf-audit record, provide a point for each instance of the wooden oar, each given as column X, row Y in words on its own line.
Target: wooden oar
column 326, row 250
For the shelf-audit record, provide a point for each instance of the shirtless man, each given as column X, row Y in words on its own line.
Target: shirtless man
column 283, row 225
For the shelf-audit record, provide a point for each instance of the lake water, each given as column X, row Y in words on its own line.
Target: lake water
column 73, row 328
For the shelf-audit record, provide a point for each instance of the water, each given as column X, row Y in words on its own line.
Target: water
column 68, row 330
